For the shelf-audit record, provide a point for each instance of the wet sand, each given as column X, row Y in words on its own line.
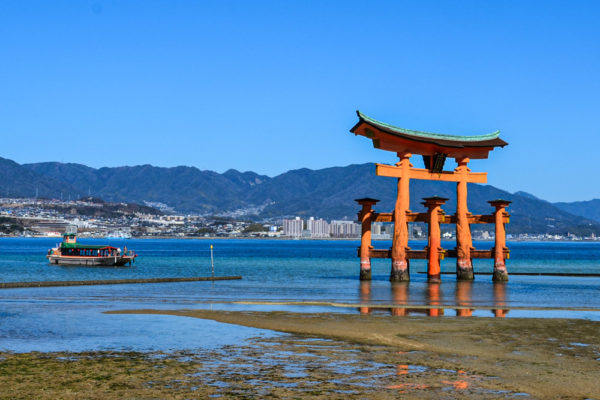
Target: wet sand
column 332, row 356
column 545, row 358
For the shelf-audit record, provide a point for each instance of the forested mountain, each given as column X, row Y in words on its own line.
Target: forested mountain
column 328, row 193
column 589, row 209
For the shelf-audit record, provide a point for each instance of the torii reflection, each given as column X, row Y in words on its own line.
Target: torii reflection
column 365, row 296
column 433, row 299
column 500, row 299
column 399, row 297
column 464, row 298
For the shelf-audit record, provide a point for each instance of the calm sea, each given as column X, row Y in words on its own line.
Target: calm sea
column 274, row 271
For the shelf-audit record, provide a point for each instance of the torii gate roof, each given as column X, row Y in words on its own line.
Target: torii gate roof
column 393, row 138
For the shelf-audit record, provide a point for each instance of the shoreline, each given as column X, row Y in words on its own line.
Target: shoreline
column 357, row 239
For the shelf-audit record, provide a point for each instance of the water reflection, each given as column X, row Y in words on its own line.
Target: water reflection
column 399, row 297
column 464, row 296
column 432, row 298
column 365, row 296
column 500, row 299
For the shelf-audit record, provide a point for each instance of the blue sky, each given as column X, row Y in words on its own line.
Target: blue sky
column 270, row 86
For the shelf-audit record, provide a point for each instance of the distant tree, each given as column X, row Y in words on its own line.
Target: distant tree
column 254, row 228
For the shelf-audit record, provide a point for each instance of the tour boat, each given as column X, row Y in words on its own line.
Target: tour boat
column 69, row 252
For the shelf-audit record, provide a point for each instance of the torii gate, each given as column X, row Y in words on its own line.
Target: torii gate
column 435, row 149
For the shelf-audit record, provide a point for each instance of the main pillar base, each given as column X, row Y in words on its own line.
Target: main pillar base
column 434, row 278
column 500, row 276
column 400, row 271
column 464, row 270
column 365, row 274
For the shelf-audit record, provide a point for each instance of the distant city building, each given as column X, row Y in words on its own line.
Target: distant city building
column 318, row 228
column 381, row 231
column 293, row 227
column 416, row 232
column 447, row 235
column 376, row 228
column 344, row 229
column 485, row 235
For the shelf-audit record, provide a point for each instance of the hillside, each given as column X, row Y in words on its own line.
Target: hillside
column 588, row 209
column 327, row 193
column 19, row 181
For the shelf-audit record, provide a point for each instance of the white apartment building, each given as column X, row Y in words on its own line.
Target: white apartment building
column 376, row 228
column 318, row 228
column 344, row 229
column 293, row 227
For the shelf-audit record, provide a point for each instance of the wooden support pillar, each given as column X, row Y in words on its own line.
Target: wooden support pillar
column 400, row 266
column 464, row 264
column 434, row 248
column 500, row 272
column 365, row 217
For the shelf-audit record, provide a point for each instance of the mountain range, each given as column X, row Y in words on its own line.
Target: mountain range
column 328, row 193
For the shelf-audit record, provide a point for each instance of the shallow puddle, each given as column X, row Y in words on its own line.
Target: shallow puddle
column 297, row 366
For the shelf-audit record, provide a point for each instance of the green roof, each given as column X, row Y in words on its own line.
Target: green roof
column 84, row 246
column 428, row 135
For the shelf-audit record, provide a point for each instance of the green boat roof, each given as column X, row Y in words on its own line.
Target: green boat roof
column 84, row 246
column 490, row 139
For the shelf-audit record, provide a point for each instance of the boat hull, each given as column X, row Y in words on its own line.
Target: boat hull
column 110, row 261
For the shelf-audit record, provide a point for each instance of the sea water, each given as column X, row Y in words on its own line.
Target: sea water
column 289, row 275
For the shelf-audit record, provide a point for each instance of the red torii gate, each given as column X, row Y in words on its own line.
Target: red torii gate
column 435, row 149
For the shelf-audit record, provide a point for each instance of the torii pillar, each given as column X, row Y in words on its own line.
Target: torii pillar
column 500, row 272
column 400, row 263
column 464, row 243
column 366, row 218
column 434, row 248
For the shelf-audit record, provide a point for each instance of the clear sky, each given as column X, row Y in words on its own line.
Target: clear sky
column 270, row 86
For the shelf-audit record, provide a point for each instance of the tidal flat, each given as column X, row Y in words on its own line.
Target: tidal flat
column 333, row 356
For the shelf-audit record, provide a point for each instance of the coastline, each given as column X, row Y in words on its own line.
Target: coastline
column 357, row 239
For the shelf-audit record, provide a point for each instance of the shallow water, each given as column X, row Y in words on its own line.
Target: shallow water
column 274, row 272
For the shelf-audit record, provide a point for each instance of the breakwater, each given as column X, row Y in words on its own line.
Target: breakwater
column 12, row 285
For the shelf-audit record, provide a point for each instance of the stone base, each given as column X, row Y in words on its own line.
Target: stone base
column 365, row 275
column 400, row 274
column 464, row 269
column 500, row 276
column 464, row 274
